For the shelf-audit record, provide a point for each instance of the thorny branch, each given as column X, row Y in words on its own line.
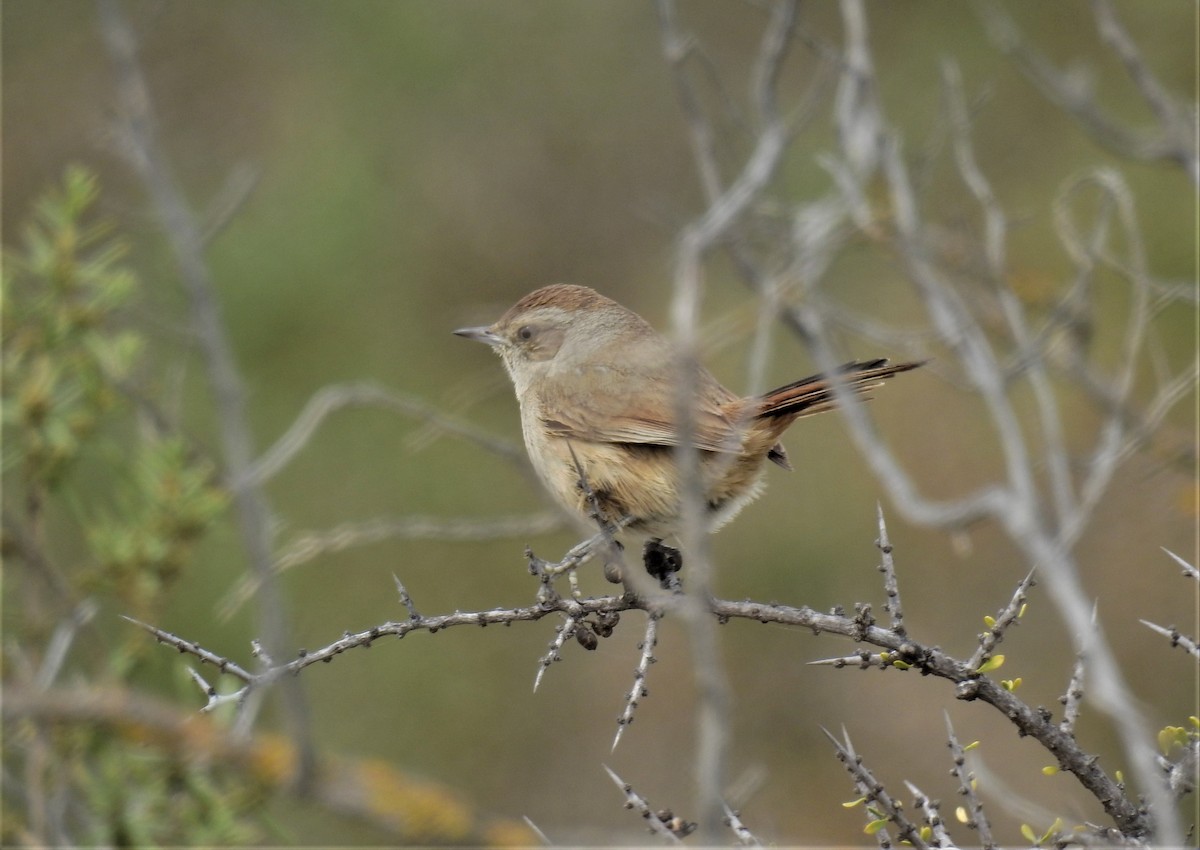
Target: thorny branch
column 662, row 823
column 1044, row 499
column 884, row 808
column 870, row 155
column 901, row 652
column 638, row 691
column 975, row 819
column 1176, row 637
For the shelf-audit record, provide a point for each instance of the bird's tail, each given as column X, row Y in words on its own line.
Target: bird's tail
column 816, row 393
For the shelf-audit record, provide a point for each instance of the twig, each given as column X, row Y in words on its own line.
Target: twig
column 307, row 546
column 60, row 642
column 224, row 665
column 1177, row 125
column 1188, row 569
column 887, row 566
column 638, row 691
column 883, row 807
column 335, row 397
column 1072, row 700
column 633, row 800
column 862, row 659
column 1172, row 141
column 1006, row 617
column 740, row 831
column 933, row 817
column 995, row 236
column 1109, row 450
column 1177, row 638
column 405, row 599
column 215, row 700
column 563, row 633
column 234, row 193
column 976, row 818
column 541, row 836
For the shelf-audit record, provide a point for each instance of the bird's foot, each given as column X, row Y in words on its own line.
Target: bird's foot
column 663, row 564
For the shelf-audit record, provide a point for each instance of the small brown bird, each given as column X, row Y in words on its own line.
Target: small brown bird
column 597, row 389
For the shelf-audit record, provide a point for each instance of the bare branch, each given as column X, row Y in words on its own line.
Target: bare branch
column 1174, row 140
column 234, row 193
column 1072, row 700
column 541, row 836
column 1178, row 125
column 1109, row 450
column 149, row 160
column 562, row 633
column 933, row 817
column 215, row 700
column 330, row 399
column 744, row 836
column 995, row 236
column 638, row 691
column 891, row 587
column 1188, row 570
column 654, row 821
column 60, row 642
column 1177, row 638
column 224, row 665
column 307, row 546
column 727, row 205
column 405, row 599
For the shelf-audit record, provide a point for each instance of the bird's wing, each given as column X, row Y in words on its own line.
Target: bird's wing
column 623, row 404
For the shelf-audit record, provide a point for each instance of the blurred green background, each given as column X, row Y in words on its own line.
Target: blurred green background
column 423, row 164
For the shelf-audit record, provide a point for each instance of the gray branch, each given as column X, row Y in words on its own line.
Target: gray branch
column 145, row 153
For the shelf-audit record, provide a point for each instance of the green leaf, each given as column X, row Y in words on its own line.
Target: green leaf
column 1054, row 828
column 874, row 826
column 993, row 663
column 1170, row 736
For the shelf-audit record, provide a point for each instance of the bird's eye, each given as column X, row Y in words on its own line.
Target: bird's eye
column 525, row 332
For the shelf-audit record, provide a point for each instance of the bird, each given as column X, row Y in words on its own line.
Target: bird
column 597, row 388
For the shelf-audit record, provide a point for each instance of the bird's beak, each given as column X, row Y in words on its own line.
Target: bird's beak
column 480, row 335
